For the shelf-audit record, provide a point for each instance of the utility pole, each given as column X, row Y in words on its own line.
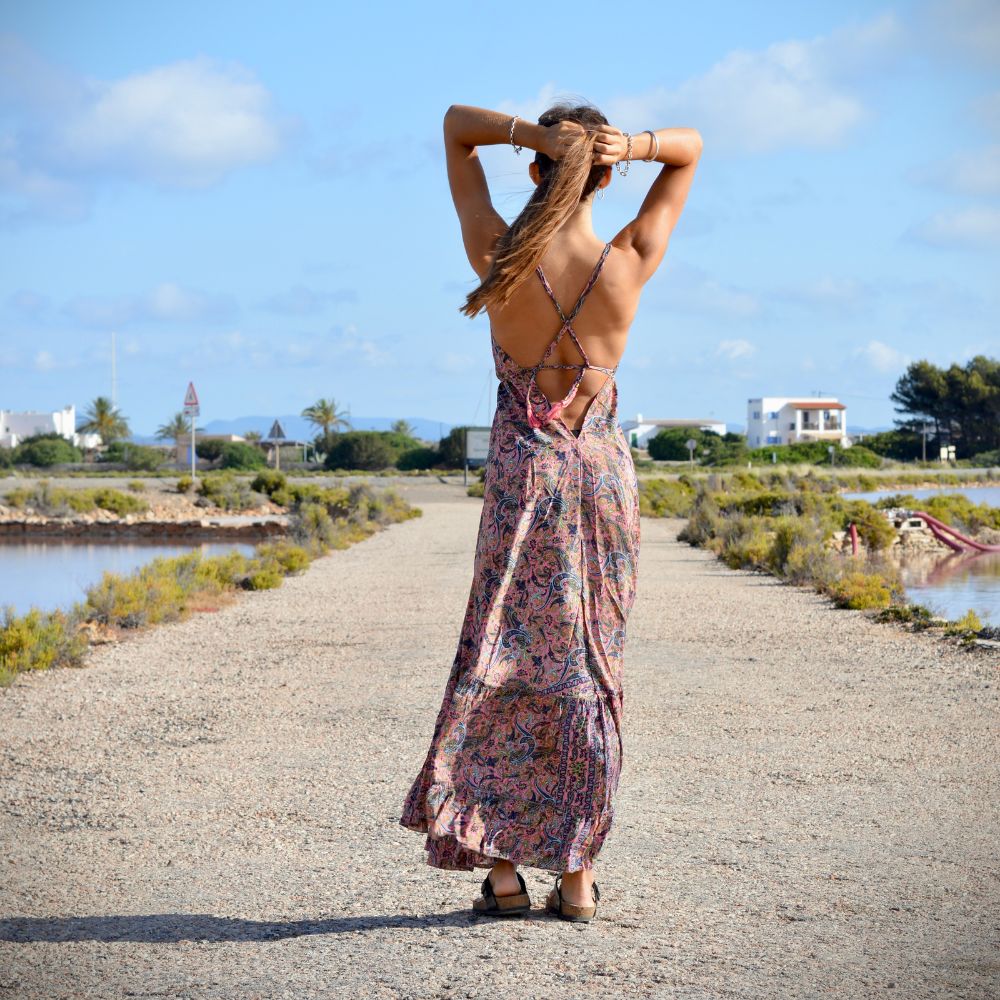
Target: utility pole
column 114, row 374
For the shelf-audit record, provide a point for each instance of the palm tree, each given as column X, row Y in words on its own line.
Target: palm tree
column 105, row 420
column 178, row 427
column 402, row 427
column 325, row 415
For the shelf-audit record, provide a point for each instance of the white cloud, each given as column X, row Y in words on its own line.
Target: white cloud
column 734, row 350
column 690, row 289
column 882, row 357
column 793, row 93
column 302, row 301
column 166, row 302
column 184, row 124
column 832, row 294
column 975, row 172
column 974, row 228
column 452, row 363
column 44, row 361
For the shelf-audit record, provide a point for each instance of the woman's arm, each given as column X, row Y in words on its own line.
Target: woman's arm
column 649, row 232
column 465, row 128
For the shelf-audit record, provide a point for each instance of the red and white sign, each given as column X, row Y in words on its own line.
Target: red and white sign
column 191, row 399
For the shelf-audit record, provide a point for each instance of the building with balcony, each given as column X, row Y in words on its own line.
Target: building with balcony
column 779, row 420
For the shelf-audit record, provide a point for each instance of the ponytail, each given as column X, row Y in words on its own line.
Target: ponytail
column 521, row 248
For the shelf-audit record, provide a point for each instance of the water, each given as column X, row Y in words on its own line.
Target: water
column 952, row 584
column 54, row 574
column 989, row 495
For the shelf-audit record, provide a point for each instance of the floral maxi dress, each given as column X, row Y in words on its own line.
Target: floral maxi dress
column 526, row 752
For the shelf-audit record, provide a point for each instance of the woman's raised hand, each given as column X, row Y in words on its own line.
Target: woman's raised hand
column 559, row 136
column 610, row 146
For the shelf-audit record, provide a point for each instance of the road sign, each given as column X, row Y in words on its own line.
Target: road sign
column 191, row 401
column 477, row 444
column 276, row 433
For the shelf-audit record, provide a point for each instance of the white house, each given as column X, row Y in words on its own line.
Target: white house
column 780, row 420
column 15, row 427
column 639, row 431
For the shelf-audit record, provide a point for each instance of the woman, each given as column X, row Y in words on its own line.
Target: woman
column 526, row 752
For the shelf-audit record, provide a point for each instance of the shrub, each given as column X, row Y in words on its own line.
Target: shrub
column 135, row 457
column 184, row 484
column 136, row 485
column 45, row 450
column 367, row 450
column 210, row 449
column 240, row 455
column 874, row 529
column 666, row 498
column 227, row 491
column 6, row 458
column 291, row 558
column 38, row 640
column 860, row 591
column 269, row 481
column 966, row 626
column 264, row 578
column 856, row 457
column 418, row 458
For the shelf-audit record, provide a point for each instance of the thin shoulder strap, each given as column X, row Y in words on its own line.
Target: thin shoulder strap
column 583, row 295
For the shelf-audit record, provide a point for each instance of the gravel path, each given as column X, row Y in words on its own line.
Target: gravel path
column 807, row 807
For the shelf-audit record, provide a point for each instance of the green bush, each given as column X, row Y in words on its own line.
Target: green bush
column 365, row 450
column 46, row 450
column 418, row 458
column 857, row 456
column 666, row 497
column 135, row 457
column 269, row 481
column 264, row 578
column 860, row 591
column 38, row 640
column 290, row 557
column 210, row 449
column 225, row 490
column 58, row 502
column 6, row 458
column 240, row 455
column 136, row 485
column 184, row 484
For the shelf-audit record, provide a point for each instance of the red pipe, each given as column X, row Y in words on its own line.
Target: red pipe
column 853, row 529
column 940, row 530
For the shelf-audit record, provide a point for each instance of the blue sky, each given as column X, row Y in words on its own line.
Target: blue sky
column 253, row 196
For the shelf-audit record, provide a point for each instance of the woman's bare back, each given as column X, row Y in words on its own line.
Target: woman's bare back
column 528, row 323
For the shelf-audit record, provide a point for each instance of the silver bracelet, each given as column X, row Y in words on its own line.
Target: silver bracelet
column 517, row 149
column 628, row 156
column 655, row 149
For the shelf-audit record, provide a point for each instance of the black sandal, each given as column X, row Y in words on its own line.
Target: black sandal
column 516, row 904
column 570, row 911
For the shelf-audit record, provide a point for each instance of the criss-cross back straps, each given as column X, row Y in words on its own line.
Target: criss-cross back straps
column 567, row 326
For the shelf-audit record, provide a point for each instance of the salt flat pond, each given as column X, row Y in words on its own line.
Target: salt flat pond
column 53, row 574
column 954, row 583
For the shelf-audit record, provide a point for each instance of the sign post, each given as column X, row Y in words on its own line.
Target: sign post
column 192, row 409
column 476, row 448
column 691, row 444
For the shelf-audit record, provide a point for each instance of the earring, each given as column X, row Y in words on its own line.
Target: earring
column 600, row 193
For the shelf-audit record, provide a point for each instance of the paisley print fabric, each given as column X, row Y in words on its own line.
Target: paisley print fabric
column 526, row 752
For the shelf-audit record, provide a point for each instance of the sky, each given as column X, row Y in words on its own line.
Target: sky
column 252, row 196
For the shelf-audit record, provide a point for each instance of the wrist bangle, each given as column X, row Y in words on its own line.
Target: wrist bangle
column 517, row 149
column 654, row 147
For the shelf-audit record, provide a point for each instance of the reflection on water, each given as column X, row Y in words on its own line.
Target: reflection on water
column 54, row 573
column 952, row 584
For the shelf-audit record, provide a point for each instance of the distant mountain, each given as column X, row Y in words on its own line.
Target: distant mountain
column 300, row 429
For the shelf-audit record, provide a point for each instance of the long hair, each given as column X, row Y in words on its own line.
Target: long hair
column 563, row 185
